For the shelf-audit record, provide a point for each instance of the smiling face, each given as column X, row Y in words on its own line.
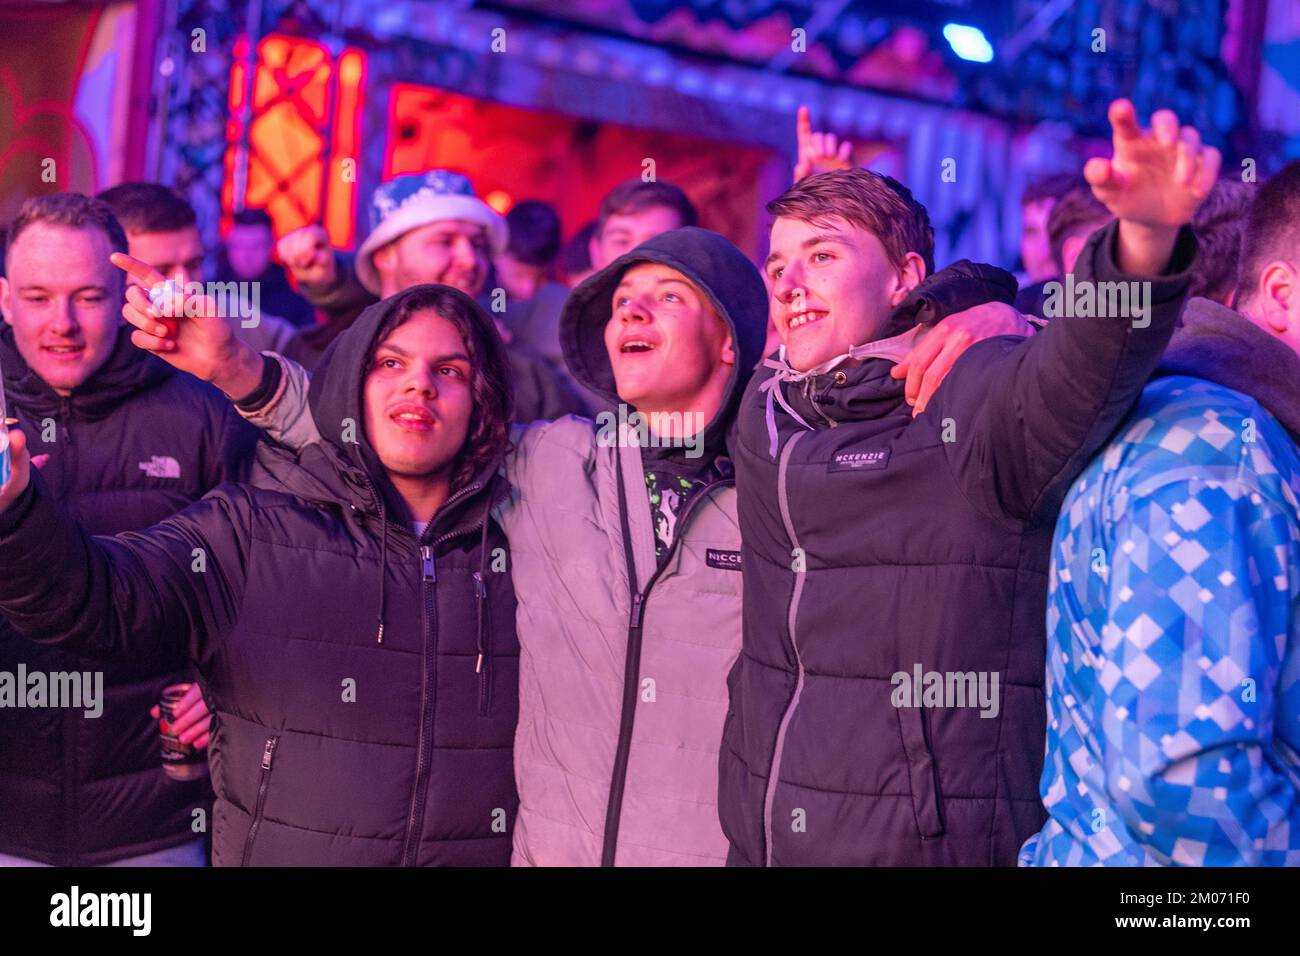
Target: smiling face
column 668, row 347
column 64, row 301
column 832, row 287
column 418, row 399
column 453, row 252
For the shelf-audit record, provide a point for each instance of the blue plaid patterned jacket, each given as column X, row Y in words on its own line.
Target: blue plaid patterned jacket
column 1173, row 659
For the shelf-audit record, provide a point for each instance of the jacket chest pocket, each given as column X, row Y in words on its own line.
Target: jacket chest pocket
column 921, row 771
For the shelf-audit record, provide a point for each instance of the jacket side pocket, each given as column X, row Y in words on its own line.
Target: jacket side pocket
column 268, row 755
column 920, row 771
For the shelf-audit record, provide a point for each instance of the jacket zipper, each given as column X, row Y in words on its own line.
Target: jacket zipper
column 268, row 753
column 769, row 796
column 428, row 677
column 632, row 663
column 428, row 673
column 484, row 616
column 70, row 447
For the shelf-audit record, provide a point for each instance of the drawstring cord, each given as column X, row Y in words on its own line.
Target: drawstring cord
column 484, row 665
column 892, row 349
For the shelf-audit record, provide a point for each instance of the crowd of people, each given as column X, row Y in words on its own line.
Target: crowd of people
column 483, row 549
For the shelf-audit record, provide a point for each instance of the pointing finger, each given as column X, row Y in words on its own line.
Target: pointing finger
column 141, row 272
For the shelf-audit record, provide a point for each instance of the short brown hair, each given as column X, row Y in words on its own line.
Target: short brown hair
column 879, row 204
column 73, row 210
column 1220, row 226
column 1272, row 228
column 1077, row 212
column 633, row 196
column 149, row 207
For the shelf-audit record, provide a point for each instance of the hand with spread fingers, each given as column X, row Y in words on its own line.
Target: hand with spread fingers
column 186, row 331
column 818, row 152
column 1153, row 183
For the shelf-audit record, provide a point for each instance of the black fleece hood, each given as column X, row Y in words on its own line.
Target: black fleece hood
column 724, row 274
column 126, row 372
column 337, row 388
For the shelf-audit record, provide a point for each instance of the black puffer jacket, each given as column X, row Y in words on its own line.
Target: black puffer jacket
column 137, row 442
column 887, row 543
column 332, row 747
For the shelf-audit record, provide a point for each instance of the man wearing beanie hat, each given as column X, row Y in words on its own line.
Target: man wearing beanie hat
column 424, row 227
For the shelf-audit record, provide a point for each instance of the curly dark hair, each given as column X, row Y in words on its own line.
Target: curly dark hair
column 490, row 388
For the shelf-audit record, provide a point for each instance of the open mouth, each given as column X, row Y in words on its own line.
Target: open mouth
column 633, row 346
column 800, row 319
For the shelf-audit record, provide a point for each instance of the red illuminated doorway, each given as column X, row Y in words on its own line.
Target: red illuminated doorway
column 511, row 154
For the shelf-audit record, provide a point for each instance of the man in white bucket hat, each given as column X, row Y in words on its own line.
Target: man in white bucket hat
column 424, row 227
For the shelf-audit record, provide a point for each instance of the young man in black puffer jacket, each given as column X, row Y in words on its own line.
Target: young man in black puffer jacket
column 886, row 547
column 127, row 441
column 354, row 626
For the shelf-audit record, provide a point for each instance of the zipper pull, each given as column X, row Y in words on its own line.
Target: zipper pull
column 635, row 619
column 426, row 563
column 268, row 753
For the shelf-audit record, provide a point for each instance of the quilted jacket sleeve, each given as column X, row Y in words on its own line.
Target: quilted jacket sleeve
column 130, row 596
column 1028, row 414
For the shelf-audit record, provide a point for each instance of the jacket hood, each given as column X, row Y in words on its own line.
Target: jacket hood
column 724, row 274
column 960, row 286
column 127, row 371
column 335, row 398
column 1222, row 346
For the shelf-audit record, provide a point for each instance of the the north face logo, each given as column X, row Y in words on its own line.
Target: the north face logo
column 161, row 466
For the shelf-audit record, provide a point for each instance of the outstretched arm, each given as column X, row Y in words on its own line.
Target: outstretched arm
column 131, row 596
column 1028, row 415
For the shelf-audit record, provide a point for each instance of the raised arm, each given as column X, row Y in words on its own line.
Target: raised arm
column 267, row 389
column 326, row 278
column 1025, row 416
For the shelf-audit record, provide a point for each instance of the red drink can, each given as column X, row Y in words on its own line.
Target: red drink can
column 180, row 761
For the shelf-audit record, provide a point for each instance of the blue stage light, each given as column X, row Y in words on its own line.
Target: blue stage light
column 969, row 43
